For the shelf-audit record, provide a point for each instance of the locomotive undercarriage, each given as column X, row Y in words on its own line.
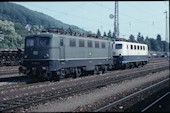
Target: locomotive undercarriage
column 119, row 64
column 44, row 73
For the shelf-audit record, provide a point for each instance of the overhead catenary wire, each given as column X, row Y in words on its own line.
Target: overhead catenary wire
column 137, row 20
column 93, row 20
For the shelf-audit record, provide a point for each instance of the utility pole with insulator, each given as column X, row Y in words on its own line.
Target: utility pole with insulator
column 166, row 28
column 116, row 21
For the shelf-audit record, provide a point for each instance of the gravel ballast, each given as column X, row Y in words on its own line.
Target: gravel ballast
column 88, row 98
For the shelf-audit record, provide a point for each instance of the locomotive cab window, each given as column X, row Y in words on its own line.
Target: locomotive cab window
column 118, row 46
column 44, row 41
column 30, row 42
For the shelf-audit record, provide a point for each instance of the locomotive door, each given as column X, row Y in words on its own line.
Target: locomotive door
column 62, row 49
column 109, row 50
column 128, row 48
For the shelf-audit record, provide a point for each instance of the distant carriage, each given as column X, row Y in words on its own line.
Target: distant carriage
column 10, row 57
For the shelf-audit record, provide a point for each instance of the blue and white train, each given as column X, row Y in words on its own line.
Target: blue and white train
column 129, row 54
column 55, row 56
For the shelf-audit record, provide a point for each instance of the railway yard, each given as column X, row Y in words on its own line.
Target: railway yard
column 56, row 63
column 138, row 89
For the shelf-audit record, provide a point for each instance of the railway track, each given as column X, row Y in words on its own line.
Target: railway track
column 14, row 74
column 40, row 97
column 20, row 77
column 14, row 69
column 24, row 80
column 23, row 84
column 150, row 107
column 8, row 70
column 114, row 105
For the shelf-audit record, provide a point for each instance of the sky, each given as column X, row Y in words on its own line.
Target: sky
column 146, row 17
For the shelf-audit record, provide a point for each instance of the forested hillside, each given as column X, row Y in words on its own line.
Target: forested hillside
column 17, row 13
column 14, row 18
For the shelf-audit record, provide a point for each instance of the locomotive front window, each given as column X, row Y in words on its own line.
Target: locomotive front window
column 44, row 41
column 118, row 46
column 30, row 42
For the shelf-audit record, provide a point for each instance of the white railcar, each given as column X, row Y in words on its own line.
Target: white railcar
column 129, row 54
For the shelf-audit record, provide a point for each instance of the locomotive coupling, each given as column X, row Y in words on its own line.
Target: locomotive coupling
column 22, row 69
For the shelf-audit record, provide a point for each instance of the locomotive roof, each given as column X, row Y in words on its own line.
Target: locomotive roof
column 66, row 36
column 124, row 40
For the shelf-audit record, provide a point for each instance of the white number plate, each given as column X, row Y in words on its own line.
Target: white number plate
column 35, row 52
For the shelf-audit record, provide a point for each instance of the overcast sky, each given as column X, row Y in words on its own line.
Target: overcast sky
column 140, row 16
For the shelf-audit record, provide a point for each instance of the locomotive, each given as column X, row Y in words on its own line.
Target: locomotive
column 129, row 54
column 54, row 56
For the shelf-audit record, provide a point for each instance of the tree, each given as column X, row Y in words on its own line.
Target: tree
column 36, row 29
column 109, row 34
column 140, row 38
column 114, row 35
column 70, row 31
column 154, row 45
column 165, row 46
column 158, row 39
column 98, row 33
column 131, row 38
column 147, row 41
column 9, row 37
column 104, row 34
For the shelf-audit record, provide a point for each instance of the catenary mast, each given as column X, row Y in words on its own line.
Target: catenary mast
column 116, row 20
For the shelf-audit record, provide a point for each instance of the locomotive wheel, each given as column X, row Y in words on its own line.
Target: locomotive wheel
column 62, row 74
column 124, row 66
column 137, row 64
column 127, row 66
column 132, row 65
column 77, row 73
column 105, row 69
column 48, row 77
column 96, row 70
column 57, row 78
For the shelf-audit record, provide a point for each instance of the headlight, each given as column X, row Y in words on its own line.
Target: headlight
column 25, row 56
column 46, row 56
column 44, row 68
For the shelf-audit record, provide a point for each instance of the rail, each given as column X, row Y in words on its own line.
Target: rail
column 110, row 105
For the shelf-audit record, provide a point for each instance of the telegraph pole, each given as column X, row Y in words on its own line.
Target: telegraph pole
column 116, row 20
column 166, row 34
column 166, row 28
